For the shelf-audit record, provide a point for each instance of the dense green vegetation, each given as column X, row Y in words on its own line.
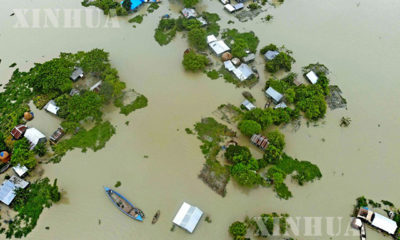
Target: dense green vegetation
column 94, row 139
column 198, row 38
column 140, row 102
column 242, row 42
column 194, row 62
column 213, row 74
column 212, row 25
column 137, row 19
column 152, row 7
column 238, row 230
column 108, row 5
column 249, row 127
column 165, row 31
column 29, row 204
column 309, row 99
column 283, row 60
column 22, row 155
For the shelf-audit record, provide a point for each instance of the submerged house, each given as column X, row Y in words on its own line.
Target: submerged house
column 188, row 217
column 96, row 87
column 250, row 57
column 8, row 187
column 238, row 6
column 378, row 221
column 243, row 72
column 218, row 46
column 230, row 8
column 18, row 132
column 57, row 135
column 312, row 77
column 229, row 66
column 21, row 171
column 270, row 55
column 274, row 95
column 281, row 105
column 34, row 137
column 202, row 21
column 260, row 141
column 51, row 107
column 77, row 74
column 189, row 13
column 248, row 105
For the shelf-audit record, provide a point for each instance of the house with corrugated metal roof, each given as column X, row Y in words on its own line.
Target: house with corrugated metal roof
column 8, row 187
column 188, row 217
column 274, row 95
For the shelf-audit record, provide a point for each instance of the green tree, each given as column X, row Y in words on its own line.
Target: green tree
column 52, row 76
column 239, row 48
column 237, row 154
column 264, row 118
column 194, row 62
column 127, row 4
column 197, row 38
column 40, row 149
column 245, row 176
column 277, row 139
column 85, row 105
column 238, row 229
column 249, row 127
column 2, row 144
column 22, row 155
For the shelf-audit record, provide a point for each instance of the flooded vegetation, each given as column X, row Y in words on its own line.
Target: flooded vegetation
column 356, row 160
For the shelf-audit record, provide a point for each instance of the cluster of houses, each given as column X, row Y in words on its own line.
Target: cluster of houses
column 376, row 220
column 34, row 137
column 237, row 67
column 230, row 7
column 276, row 96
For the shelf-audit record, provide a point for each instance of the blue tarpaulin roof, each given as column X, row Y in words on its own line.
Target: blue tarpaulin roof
column 135, row 3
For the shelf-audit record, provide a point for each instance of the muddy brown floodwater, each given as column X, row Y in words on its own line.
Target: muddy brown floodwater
column 357, row 40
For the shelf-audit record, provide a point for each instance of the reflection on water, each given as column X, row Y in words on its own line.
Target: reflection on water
column 357, row 41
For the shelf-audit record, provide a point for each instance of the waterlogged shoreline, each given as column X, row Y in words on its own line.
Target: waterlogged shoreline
column 320, row 36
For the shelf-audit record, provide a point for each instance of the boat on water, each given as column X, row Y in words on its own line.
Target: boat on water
column 156, row 216
column 124, row 205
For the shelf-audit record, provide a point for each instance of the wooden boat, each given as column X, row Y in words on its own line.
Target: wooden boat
column 124, row 205
column 156, row 216
column 4, row 167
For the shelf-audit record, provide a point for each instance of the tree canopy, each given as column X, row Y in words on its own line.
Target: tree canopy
column 198, row 38
column 249, row 127
column 22, row 154
column 194, row 62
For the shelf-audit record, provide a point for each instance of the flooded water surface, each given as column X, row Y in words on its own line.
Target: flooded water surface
column 357, row 40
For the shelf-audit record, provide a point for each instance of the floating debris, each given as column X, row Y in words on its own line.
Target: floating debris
column 118, row 184
column 345, row 121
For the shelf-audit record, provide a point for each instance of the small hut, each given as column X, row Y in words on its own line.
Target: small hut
column 18, row 132
column 4, row 157
column 226, row 56
column 77, row 74
column 260, row 141
column 57, row 135
column 28, row 116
